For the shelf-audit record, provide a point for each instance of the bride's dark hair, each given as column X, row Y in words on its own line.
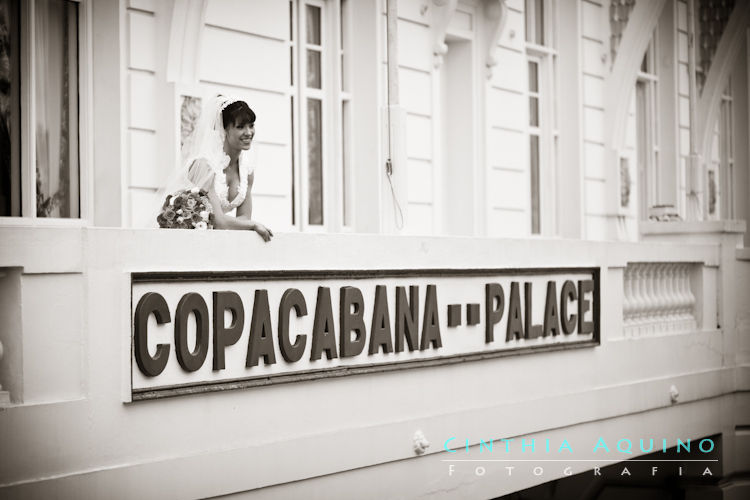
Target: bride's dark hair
column 238, row 112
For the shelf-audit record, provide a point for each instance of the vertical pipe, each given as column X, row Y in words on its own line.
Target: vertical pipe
column 392, row 34
column 395, row 117
column 28, row 99
column 693, row 174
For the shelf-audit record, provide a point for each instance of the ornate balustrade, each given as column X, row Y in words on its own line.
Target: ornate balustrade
column 658, row 297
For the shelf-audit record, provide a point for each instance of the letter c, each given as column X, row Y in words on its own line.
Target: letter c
column 150, row 303
column 445, row 445
column 292, row 299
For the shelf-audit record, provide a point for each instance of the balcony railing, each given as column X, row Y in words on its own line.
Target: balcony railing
column 658, row 297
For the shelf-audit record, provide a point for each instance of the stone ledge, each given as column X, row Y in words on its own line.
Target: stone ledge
column 692, row 227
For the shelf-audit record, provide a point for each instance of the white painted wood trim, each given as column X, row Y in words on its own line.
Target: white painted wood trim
column 442, row 14
column 28, row 114
column 496, row 14
column 619, row 85
column 186, row 29
column 86, row 110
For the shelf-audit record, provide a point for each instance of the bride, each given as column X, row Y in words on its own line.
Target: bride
column 215, row 158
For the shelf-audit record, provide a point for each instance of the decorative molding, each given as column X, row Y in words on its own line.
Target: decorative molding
column 442, row 15
column 496, row 13
column 619, row 14
column 724, row 226
column 190, row 110
column 185, row 32
column 674, row 394
column 625, row 183
column 420, row 443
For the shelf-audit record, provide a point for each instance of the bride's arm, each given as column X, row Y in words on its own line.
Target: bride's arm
column 223, row 221
column 201, row 175
column 245, row 210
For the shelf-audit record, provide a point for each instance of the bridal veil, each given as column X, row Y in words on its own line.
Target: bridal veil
column 206, row 142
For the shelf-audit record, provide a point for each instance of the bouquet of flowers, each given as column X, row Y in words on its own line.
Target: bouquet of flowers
column 186, row 209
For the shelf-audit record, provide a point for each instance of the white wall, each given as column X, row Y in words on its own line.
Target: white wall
column 148, row 108
column 596, row 62
column 244, row 52
column 259, row 32
column 417, row 96
column 508, row 184
column 94, row 444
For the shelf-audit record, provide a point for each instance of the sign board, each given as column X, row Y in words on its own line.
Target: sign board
column 195, row 332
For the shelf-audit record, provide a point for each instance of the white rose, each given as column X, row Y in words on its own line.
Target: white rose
column 201, row 225
column 204, row 215
column 195, row 190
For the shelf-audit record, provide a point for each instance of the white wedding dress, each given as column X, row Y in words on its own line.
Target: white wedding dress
column 204, row 160
column 215, row 176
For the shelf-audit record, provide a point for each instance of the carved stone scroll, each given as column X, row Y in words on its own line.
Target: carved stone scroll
column 442, row 14
column 496, row 13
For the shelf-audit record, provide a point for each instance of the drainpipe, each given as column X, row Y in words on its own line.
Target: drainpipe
column 694, row 177
column 393, row 195
column 4, row 395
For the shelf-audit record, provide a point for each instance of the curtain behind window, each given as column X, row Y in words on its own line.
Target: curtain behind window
column 10, row 167
column 56, row 78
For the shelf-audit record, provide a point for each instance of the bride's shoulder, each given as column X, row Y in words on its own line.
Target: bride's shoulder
column 200, row 162
column 200, row 165
column 201, row 173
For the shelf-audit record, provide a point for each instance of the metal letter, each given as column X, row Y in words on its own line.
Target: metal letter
column 150, row 303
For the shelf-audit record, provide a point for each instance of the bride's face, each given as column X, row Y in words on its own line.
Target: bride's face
column 240, row 136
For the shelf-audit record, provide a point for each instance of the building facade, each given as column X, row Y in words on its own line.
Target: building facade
column 503, row 227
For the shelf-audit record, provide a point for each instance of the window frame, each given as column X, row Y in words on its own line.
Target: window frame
column 547, row 130
column 447, row 138
column 345, row 172
column 727, row 160
column 332, row 96
column 27, row 140
column 15, row 112
column 648, row 161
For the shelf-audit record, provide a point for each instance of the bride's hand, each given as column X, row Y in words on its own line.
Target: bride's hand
column 263, row 231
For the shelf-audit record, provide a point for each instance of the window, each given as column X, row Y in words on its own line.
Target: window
column 542, row 133
column 534, row 133
column 40, row 174
column 321, row 107
column 725, row 170
column 10, row 124
column 647, row 136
